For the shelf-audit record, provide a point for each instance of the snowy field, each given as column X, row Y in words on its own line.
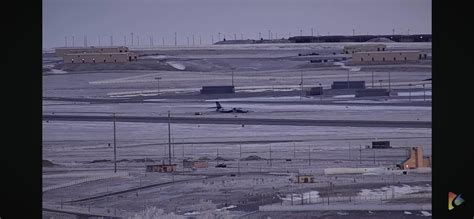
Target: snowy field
column 262, row 161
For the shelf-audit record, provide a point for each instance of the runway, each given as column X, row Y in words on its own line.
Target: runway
column 241, row 121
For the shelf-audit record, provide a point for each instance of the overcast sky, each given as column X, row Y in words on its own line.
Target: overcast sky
column 203, row 18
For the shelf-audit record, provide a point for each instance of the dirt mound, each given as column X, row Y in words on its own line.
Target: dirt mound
column 222, row 159
column 143, row 160
column 100, row 161
column 47, row 163
column 253, row 157
column 204, row 158
column 381, row 40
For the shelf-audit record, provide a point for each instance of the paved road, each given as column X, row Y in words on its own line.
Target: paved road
column 241, row 121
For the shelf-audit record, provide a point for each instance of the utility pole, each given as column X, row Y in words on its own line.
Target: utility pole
column 241, row 36
column 187, row 38
column 124, row 40
column 169, row 137
column 158, row 80
column 374, row 155
column 372, row 79
column 269, row 37
column 232, row 78
column 301, row 85
column 111, row 40
column 348, row 79
column 389, row 82
column 270, row 155
column 301, row 32
column 85, row 41
column 309, row 154
column 218, row 36
column 212, row 39
column 72, row 41
column 240, row 156
column 193, row 39
column 132, row 38
column 175, row 39
column 424, row 95
column 259, row 35
column 163, row 40
column 350, row 157
column 360, row 154
column 294, row 151
column 409, row 92
column 65, row 41
column 115, row 147
column 200, row 40
column 138, row 40
column 98, row 36
column 311, row 31
column 235, row 36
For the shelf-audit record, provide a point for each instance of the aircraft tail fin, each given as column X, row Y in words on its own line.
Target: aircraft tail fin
column 218, row 105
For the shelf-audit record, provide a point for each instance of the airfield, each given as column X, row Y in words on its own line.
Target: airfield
column 285, row 134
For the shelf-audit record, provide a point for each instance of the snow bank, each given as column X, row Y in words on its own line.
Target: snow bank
column 57, row 71
column 177, row 65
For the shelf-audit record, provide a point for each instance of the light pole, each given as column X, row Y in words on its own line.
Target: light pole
column 169, row 137
column 388, row 81
column 321, row 94
column 273, row 80
column 348, row 79
column 409, row 92
column 301, row 84
column 158, row 80
column 232, row 78
column 115, row 147
column 372, row 79
column 380, row 81
column 424, row 95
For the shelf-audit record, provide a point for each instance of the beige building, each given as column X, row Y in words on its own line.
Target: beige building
column 388, row 56
column 416, row 159
column 351, row 49
column 164, row 168
column 195, row 164
column 60, row 52
column 99, row 57
column 305, row 179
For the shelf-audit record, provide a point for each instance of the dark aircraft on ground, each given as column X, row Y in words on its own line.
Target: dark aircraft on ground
column 220, row 109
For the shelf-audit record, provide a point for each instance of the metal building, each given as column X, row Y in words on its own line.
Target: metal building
column 388, row 56
column 351, row 49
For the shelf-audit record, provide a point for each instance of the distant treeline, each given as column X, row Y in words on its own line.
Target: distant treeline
column 361, row 38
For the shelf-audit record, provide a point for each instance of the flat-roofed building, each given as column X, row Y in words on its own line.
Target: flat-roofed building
column 388, row 56
column 195, row 164
column 99, row 57
column 351, row 49
column 61, row 51
column 165, row 168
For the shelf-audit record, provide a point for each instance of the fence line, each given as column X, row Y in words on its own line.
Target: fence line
column 79, row 181
column 300, row 199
